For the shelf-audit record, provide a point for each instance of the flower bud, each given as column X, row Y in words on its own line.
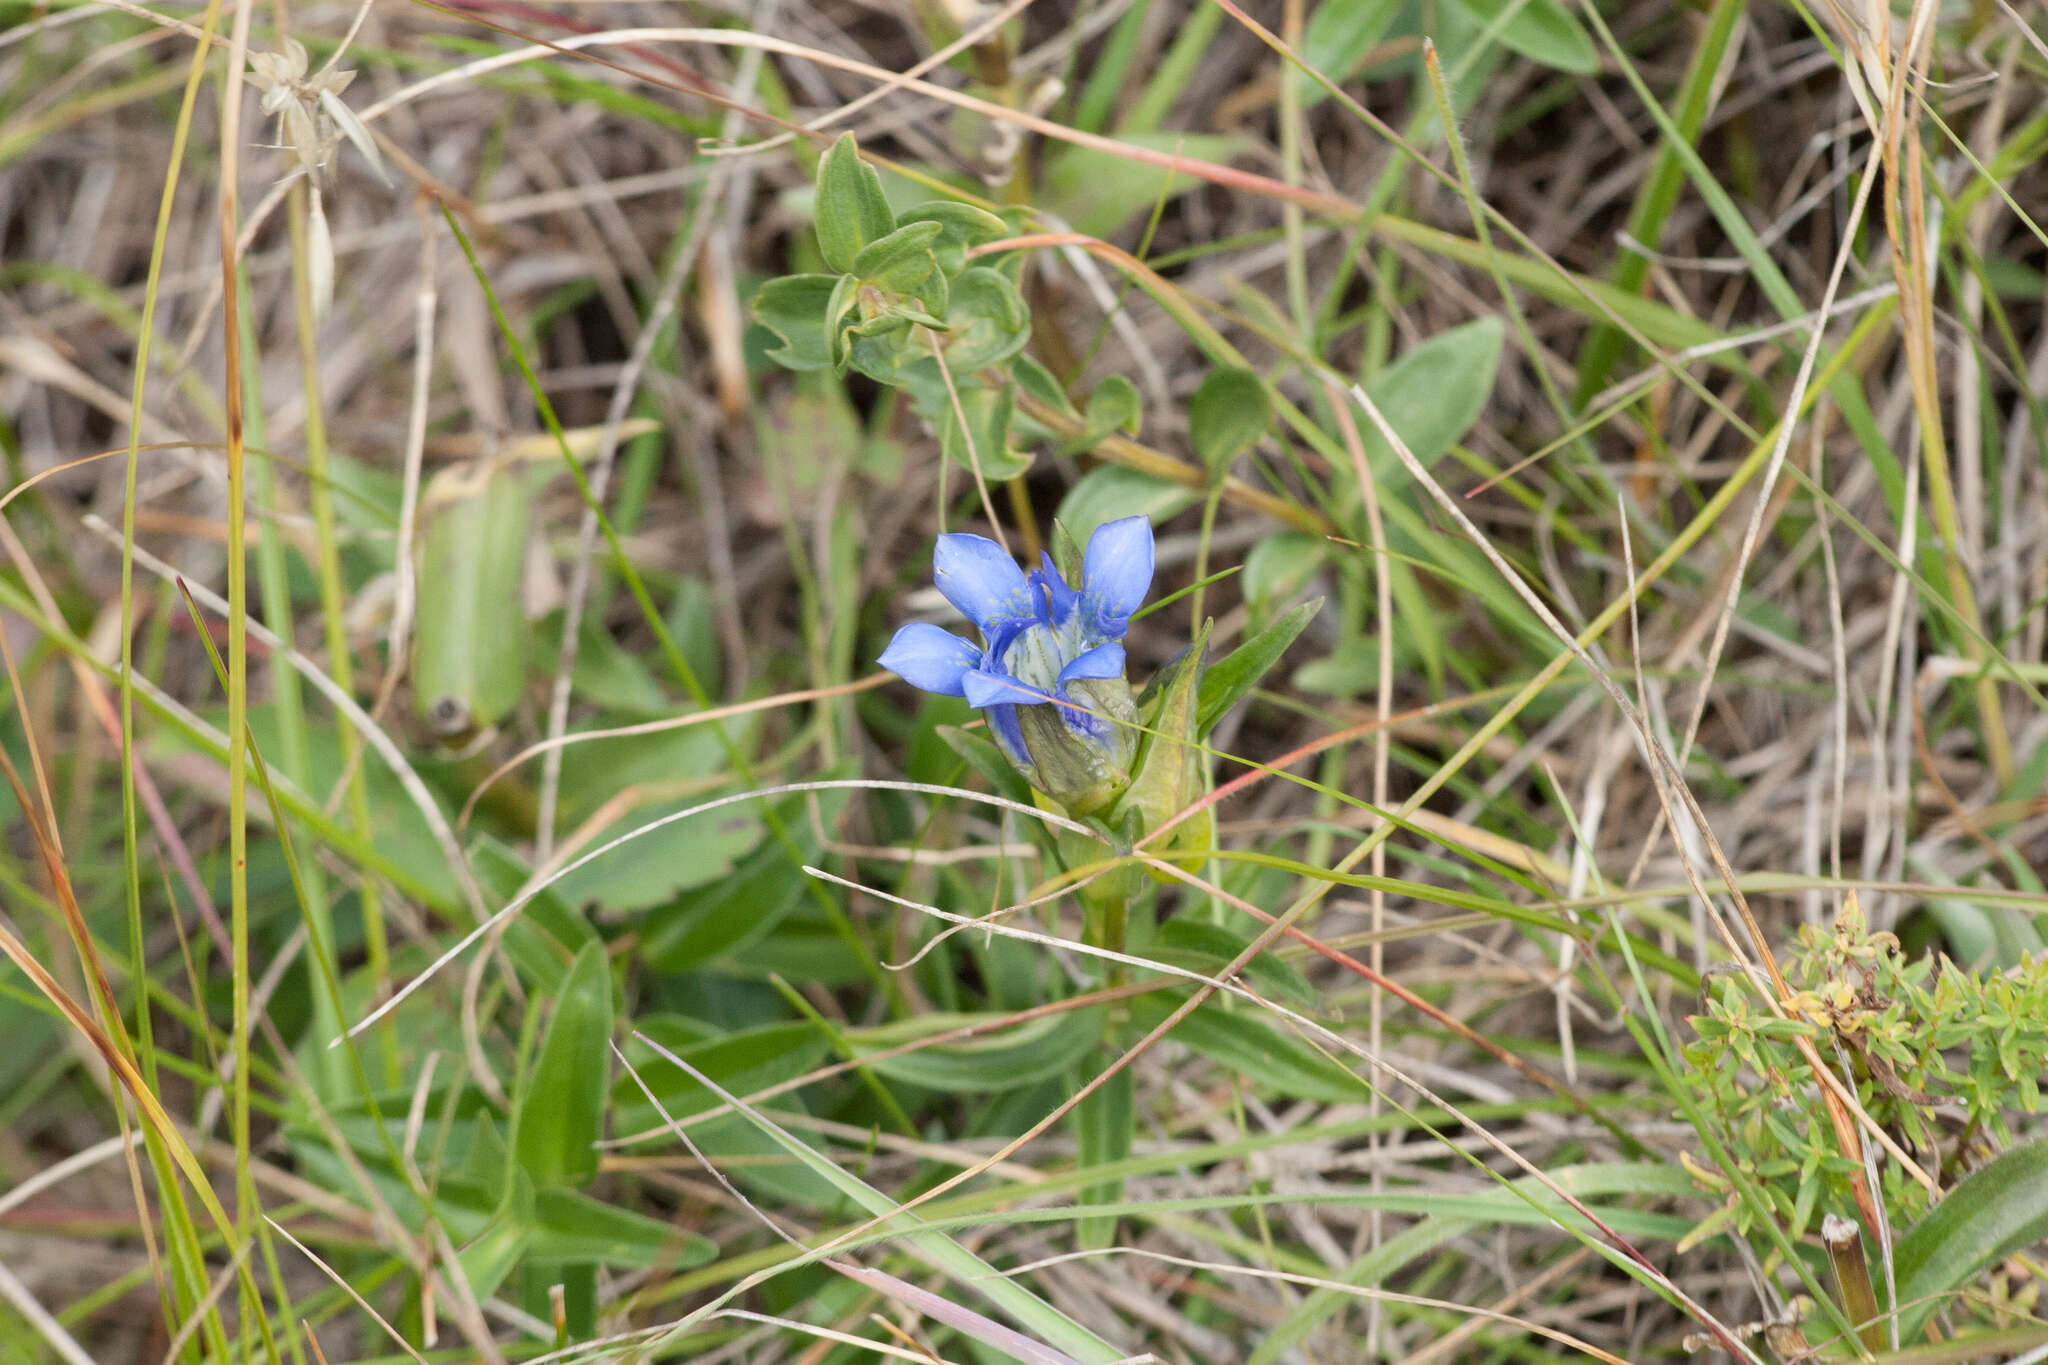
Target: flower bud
column 1080, row 752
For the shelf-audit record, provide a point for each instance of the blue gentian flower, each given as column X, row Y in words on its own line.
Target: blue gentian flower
column 1049, row 672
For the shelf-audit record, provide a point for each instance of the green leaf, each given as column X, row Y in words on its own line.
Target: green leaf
column 988, row 320
column 1996, row 1210
column 1278, row 567
column 843, row 321
column 1113, row 406
column 1200, row 946
column 720, row 917
column 571, row 1228
column 1339, row 35
column 984, row 444
column 543, row 939
column 900, row 261
column 469, row 660
column 999, row 1060
column 1226, row 417
column 1543, row 31
column 851, row 210
column 607, row 674
column 693, row 622
column 1104, row 1122
column 1266, row 1059
column 1432, row 396
column 1112, row 491
column 1167, row 773
column 664, row 862
column 1239, row 671
column 794, row 309
column 558, row 1117
column 1038, row 382
column 961, row 226
column 496, row 1251
column 743, row 1063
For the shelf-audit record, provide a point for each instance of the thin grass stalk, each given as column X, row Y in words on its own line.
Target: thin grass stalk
column 287, row 697
column 333, row 616
column 246, row 1202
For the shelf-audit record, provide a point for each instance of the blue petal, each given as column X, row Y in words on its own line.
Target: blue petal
column 1116, row 573
column 983, row 687
column 1103, row 661
column 1009, row 735
column 1096, row 729
column 1059, row 598
column 983, row 582
column 927, row 657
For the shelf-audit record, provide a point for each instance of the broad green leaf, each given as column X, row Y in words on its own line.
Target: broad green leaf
column 719, row 918
column 469, row 646
column 998, row 1060
column 1339, row 35
column 899, row 261
column 1103, row 1124
column 594, row 772
column 1113, row 491
column 544, row 938
column 961, row 226
column 606, row 674
column 1432, row 396
column 693, row 622
column 988, row 320
column 558, row 1116
column 1114, row 405
column 1038, row 382
column 1197, row 945
column 496, row 1251
column 1167, row 772
column 1239, row 671
column 554, row 1224
column 1280, row 566
column 851, row 209
column 668, row 860
column 1226, row 417
column 1996, row 1210
column 1543, row 31
column 793, row 307
column 743, row 1063
column 570, row 1227
column 1245, row 1044
column 984, row 444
